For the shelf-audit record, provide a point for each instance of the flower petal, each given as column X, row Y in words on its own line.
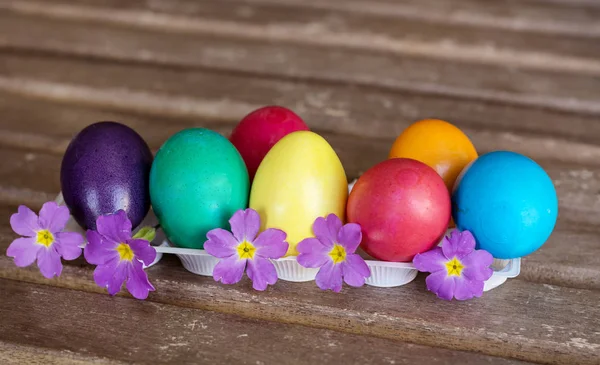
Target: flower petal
column 441, row 284
column 355, row 270
column 53, row 217
column 111, row 275
column 229, row 270
column 312, row 253
column 350, row 236
column 271, row 243
column 459, row 244
column 98, row 251
column 430, row 261
column 462, row 290
column 137, row 282
column 245, row 224
column 114, row 227
column 326, row 229
column 67, row 244
column 477, row 265
column 476, row 287
column 48, row 260
column 330, row 277
column 467, row 289
column 221, row 243
column 142, row 251
column 262, row 273
column 24, row 250
column 104, row 273
column 24, row 222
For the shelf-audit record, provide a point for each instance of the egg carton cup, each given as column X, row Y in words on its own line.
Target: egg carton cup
column 150, row 220
column 194, row 260
column 503, row 270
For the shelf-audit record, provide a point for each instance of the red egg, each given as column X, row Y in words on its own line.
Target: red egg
column 403, row 208
column 260, row 130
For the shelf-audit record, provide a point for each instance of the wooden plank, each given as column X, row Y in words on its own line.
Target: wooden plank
column 406, row 73
column 144, row 332
column 568, row 259
column 357, row 31
column 29, row 171
column 532, row 322
column 226, row 96
column 572, row 17
column 576, row 17
column 11, row 354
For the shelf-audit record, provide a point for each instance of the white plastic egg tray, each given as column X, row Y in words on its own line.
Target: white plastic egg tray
column 383, row 274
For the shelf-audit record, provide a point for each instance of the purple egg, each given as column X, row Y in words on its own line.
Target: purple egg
column 106, row 168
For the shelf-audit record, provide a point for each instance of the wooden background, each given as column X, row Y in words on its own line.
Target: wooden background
column 522, row 75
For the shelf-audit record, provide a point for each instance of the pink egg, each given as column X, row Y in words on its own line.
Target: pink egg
column 403, row 208
column 260, row 130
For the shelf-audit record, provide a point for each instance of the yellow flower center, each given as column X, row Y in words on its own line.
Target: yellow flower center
column 125, row 252
column 45, row 238
column 246, row 250
column 338, row 254
column 454, row 267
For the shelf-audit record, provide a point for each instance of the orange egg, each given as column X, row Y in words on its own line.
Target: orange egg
column 437, row 144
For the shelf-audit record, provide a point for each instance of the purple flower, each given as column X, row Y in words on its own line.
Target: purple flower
column 119, row 256
column 245, row 250
column 457, row 269
column 333, row 251
column 43, row 239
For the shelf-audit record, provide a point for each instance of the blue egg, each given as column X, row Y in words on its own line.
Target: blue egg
column 508, row 202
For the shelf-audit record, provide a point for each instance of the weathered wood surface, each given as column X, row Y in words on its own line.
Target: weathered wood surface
column 490, row 97
column 522, row 75
column 44, row 316
column 13, row 354
column 520, row 320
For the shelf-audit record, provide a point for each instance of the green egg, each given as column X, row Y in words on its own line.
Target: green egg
column 197, row 181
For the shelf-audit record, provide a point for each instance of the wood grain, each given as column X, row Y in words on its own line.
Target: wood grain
column 91, row 325
column 541, row 323
column 174, row 93
column 15, row 354
column 408, row 73
column 361, row 32
column 576, row 17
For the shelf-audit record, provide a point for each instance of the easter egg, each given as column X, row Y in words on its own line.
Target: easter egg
column 437, row 144
column 508, row 202
column 403, row 208
column 197, row 182
column 300, row 179
column 260, row 130
column 105, row 169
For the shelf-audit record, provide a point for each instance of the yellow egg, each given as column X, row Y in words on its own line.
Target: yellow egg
column 299, row 180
